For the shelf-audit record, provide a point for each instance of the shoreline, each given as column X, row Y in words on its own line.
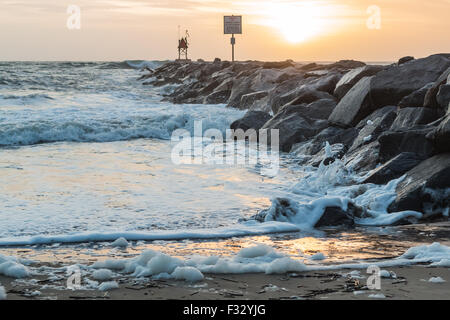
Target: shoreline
column 411, row 282
column 338, row 278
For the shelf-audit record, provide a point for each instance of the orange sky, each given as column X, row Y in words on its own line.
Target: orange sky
column 321, row 30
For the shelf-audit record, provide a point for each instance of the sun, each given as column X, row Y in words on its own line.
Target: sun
column 296, row 22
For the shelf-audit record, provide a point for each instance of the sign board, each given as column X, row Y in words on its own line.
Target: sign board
column 232, row 24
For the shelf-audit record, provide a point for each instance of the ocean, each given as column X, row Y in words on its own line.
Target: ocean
column 85, row 157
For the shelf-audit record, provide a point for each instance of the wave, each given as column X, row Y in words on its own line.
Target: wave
column 132, row 64
column 26, row 97
column 105, row 130
column 245, row 229
column 336, row 185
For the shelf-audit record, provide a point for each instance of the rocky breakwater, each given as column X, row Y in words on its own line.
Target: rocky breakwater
column 383, row 122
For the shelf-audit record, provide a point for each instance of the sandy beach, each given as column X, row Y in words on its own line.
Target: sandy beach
column 411, row 283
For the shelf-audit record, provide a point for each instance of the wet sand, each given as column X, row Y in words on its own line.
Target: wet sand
column 374, row 244
column 411, row 283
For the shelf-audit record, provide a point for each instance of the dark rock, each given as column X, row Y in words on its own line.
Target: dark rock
column 389, row 86
column 411, row 117
column 251, row 120
column 326, row 83
column 284, row 210
column 218, row 97
column 293, row 128
column 217, row 60
column 335, row 216
column 380, row 113
column 430, row 97
column 392, row 143
column 304, row 95
column 320, row 109
column 310, row 66
column 352, row 77
column 415, row 191
column 394, row 168
column 341, row 65
column 307, row 95
column 355, row 105
column 417, row 98
column 257, row 80
column 364, row 158
column 332, row 135
column 278, row 65
column 441, row 135
column 443, row 96
column 374, row 125
column 404, row 60
column 248, row 100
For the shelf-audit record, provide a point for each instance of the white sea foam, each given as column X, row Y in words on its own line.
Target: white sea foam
column 244, row 229
column 256, row 259
column 2, row 293
column 13, row 267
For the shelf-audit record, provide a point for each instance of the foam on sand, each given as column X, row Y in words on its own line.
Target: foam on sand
column 2, row 293
column 110, row 285
column 13, row 267
column 255, row 259
column 102, row 274
column 436, row 280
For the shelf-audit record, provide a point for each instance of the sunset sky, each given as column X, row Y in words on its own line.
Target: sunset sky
column 322, row 30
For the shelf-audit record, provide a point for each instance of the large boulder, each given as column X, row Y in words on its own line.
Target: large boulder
column 307, row 95
column 218, row 97
column 411, row 117
column 424, row 185
column 320, row 109
column 417, row 98
column 335, row 216
column 390, row 85
column 278, row 64
column 249, row 100
column 293, row 128
column 405, row 60
column 430, row 100
column 326, row 83
column 443, row 96
column 355, row 106
column 364, row 158
column 441, row 135
column 352, row 77
column 394, row 168
column 374, row 125
column 251, row 120
column 286, row 210
column 392, row 143
column 332, row 135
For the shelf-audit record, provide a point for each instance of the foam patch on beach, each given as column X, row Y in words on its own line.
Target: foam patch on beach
column 13, row 267
column 256, row 259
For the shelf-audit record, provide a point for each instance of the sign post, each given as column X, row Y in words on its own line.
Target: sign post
column 232, row 25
